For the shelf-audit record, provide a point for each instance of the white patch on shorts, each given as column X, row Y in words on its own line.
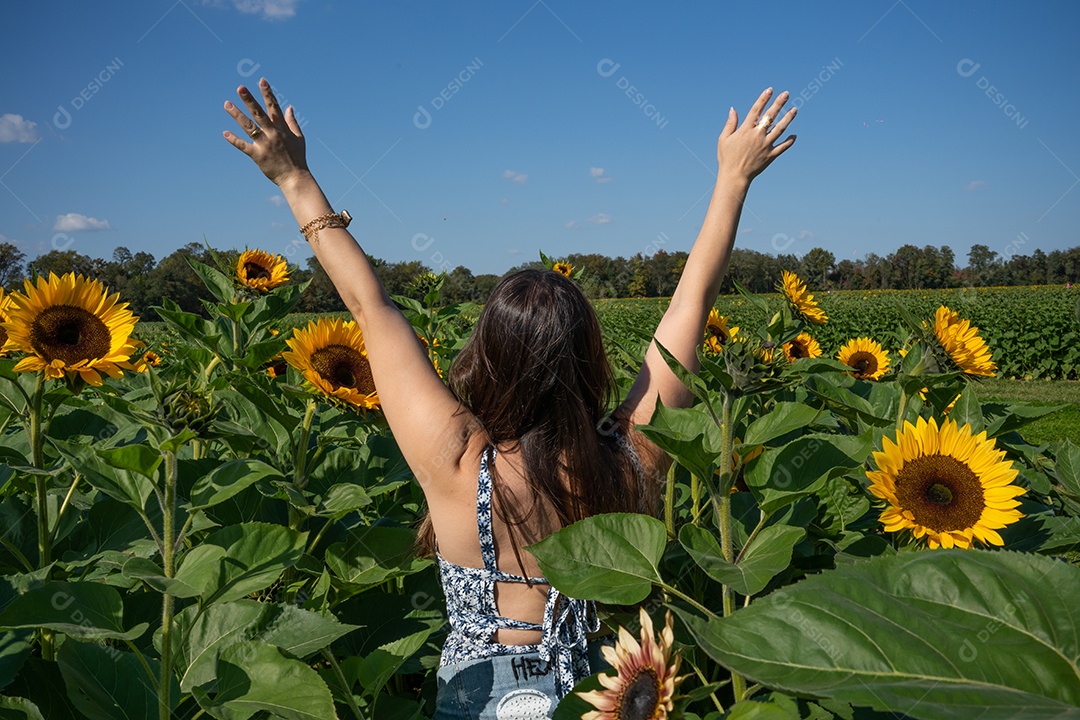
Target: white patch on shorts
column 523, row 705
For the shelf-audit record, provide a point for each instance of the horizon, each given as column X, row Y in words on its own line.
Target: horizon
column 478, row 135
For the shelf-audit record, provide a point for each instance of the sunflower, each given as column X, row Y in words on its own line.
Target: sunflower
column 717, row 332
column 945, row 485
column 564, row 269
column 802, row 302
column 962, row 343
column 866, row 357
column 277, row 367
column 739, row 463
column 5, row 306
column 261, row 270
column 645, row 680
column 71, row 324
column 802, row 346
column 433, row 354
column 151, row 358
column 331, row 355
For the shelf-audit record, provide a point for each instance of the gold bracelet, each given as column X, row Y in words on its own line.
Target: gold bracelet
column 329, row 220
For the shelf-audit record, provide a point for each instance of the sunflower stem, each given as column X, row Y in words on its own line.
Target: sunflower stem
column 17, row 553
column 753, row 536
column 346, row 690
column 169, row 561
column 695, row 498
column 142, row 661
column 64, row 507
column 37, row 452
column 705, row 681
column 183, row 531
column 300, row 459
column 669, row 501
column 902, row 415
column 686, row 598
column 236, row 338
column 214, row 362
column 727, row 545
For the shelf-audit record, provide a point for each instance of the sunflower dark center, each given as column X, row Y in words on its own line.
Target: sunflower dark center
column 69, row 334
column 941, row 492
column 718, row 332
column 343, row 366
column 865, row 363
column 3, row 336
column 255, row 271
column 640, row 696
column 799, row 350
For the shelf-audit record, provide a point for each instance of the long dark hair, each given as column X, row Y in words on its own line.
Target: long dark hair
column 535, row 375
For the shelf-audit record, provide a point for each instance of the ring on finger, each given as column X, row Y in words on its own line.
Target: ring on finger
column 255, row 132
column 765, row 122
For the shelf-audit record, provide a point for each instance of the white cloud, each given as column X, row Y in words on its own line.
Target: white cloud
column 600, row 176
column 571, row 225
column 806, row 235
column 269, row 9
column 746, row 230
column 975, row 185
column 15, row 128
column 504, row 201
column 600, row 219
column 513, row 251
column 74, row 222
column 277, row 200
column 275, row 225
column 515, row 176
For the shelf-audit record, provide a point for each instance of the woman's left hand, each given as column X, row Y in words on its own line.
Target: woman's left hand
column 277, row 146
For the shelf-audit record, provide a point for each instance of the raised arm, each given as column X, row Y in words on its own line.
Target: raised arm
column 743, row 152
column 429, row 424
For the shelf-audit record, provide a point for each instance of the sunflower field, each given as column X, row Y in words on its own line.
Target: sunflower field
column 1033, row 331
column 213, row 519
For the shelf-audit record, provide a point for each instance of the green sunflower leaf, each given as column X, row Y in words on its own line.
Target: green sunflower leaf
column 610, row 558
column 83, row 610
column 942, row 635
column 254, row 677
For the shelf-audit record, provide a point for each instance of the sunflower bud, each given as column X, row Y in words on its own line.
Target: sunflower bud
column 185, row 409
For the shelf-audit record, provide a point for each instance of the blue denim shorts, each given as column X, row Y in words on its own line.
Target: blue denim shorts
column 507, row 687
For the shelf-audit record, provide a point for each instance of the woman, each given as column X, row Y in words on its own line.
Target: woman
column 522, row 442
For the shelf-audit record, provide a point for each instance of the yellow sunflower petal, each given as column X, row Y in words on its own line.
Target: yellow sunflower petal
column 948, row 487
column 261, row 271
column 70, row 324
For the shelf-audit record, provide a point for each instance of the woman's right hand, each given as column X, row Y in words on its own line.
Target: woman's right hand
column 743, row 151
column 278, row 146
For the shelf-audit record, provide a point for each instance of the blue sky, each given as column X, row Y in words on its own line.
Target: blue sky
column 477, row 134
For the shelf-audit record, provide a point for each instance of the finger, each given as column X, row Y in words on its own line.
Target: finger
column 241, row 119
column 273, row 110
column 779, row 128
column 253, row 106
column 244, row 147
column 779, row 150
column 290, row 120
column 773, row 113
column 731, row 124
column 754, row 115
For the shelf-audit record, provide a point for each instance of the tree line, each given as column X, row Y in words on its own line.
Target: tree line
column 143, row 281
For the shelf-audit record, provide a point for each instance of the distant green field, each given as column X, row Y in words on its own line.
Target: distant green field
column 1032, row 332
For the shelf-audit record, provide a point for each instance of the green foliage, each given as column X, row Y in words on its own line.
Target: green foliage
column 951, row 634
column 1032, row 332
